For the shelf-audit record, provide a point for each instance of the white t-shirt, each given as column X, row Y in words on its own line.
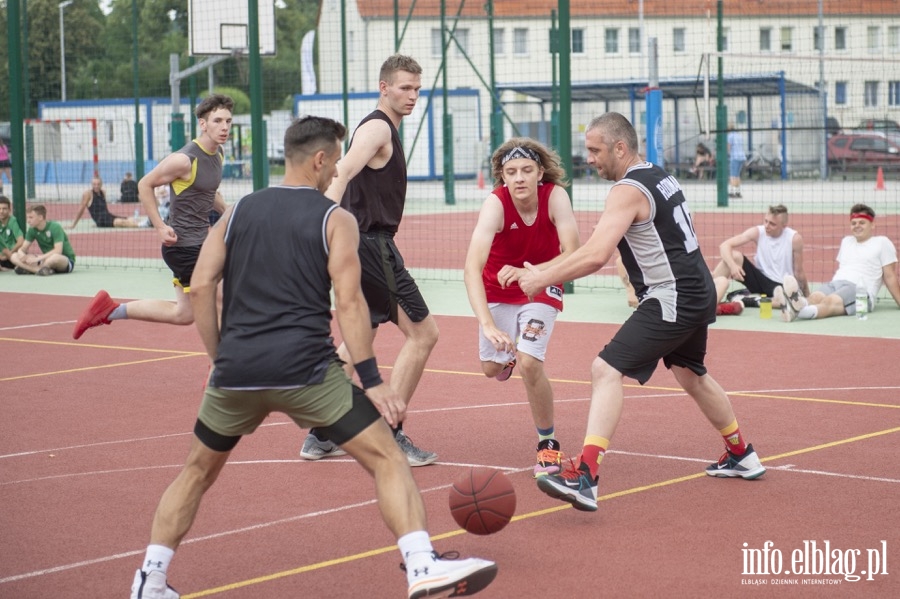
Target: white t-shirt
column 775, row 255
column 863, row 263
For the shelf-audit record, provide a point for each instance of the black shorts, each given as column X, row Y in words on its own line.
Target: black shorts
column 181, row 261
column 637, row 347
column 385, row 281
column 755, row 281
column 105, row 220
column 5, row 164
column 6, row 264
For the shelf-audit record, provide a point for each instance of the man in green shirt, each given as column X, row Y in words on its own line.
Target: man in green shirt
column 11, row 238
column 57, row 255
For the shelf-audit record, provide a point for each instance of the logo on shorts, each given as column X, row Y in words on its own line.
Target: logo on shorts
column 533, row 330
column 555, row 292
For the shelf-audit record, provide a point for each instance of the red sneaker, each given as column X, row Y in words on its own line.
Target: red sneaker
column 729, row 308
column 507, row 371
column 95, row 314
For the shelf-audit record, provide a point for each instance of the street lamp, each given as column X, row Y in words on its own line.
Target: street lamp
column 62, row 46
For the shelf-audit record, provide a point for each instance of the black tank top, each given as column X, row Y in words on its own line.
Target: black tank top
column 376, row 196
column 276, row 311
column 662, row 254
column 98, row 208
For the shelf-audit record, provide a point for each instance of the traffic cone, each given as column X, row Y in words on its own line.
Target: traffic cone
column 879, row 180
column 481, row 179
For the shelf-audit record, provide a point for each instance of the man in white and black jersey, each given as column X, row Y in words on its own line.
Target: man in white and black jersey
column 646, row 218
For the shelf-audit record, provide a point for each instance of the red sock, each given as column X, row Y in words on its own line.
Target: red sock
column 593, row 451
column 734, row 441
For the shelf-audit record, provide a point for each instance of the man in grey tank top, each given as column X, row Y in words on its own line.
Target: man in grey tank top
column 193, row 175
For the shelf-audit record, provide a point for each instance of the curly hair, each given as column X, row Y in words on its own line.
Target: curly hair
column 549, row 160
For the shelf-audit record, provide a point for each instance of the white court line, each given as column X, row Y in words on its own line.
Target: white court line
column 31, row 326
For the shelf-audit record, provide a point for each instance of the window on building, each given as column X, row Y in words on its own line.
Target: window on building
column 726, row 32
column 894, row 93
column 817, row 39
column 461, row 45
column 871, row 94
column 578, row 41
column 678, row 41
column 612, row 41
column 787, row 39
column 634, row 40
column 437, row 42
column 499, row 41
column 840, row 93
column 873, row 39
column 765, row 39
column 520, row 42
column 840, row 38
column 893, row 39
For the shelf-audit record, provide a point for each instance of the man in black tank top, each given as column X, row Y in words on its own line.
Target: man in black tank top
column 371, row 185
column 646, row 218
column 295, row 235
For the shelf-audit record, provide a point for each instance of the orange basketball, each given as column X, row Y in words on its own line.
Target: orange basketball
column 482, row 501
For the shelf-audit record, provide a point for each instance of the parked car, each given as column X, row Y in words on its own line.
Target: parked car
column 879, row 125
column 863, row 149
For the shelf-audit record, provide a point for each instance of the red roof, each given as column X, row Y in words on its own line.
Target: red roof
column 628, row 8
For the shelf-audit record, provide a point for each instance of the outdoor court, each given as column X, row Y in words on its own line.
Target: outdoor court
column 94, row 431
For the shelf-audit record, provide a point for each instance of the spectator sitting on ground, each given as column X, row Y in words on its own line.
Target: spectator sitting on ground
column 11, row 238
column 779, row 252
column 57, row 255
column 864, row 260
column 702, row 158
column 94, row 200
column 128, row 191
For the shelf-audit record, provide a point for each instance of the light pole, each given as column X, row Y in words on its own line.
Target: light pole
column 62, row 46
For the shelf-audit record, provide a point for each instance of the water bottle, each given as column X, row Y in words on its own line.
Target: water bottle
column 765, row 306
column 137, row 215
column 862, row 303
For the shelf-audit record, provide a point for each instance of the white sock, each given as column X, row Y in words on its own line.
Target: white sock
column 808, row 312
column 415, row 547
column 157, row 557
column 120, row 313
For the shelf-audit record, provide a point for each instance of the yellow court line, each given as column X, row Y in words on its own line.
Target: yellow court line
column 92, row 346
column 543, row 512
column 86, row 368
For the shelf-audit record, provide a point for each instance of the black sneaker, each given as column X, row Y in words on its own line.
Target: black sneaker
column 737, row 295
column 549, row 458
column 574, row 485
column 745, row 466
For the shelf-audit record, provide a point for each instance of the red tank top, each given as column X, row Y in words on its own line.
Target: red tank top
column 517, row 243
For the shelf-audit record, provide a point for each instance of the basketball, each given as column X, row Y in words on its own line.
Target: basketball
column 482, row 501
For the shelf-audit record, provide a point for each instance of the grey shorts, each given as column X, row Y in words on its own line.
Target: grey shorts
column 847, row 292
column 237, row 412
column 528, row 325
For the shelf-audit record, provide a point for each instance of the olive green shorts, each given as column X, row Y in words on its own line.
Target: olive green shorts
column 237, row 412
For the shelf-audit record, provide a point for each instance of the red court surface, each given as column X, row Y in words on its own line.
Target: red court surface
column 93, row 431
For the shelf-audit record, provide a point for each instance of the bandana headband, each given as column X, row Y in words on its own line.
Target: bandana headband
column 862, row 215
column 520, row 152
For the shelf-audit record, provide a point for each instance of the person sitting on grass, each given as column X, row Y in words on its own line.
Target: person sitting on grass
column 57, row 255
column 864, row 260
column 94, row 200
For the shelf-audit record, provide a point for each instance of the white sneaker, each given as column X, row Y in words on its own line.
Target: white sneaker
column 450, row 577
column 151, row 586
column 746, row 466
column 314, row 449
column 788, row 314
column 793, row 295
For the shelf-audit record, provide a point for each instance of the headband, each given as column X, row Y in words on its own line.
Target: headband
column 520, row 152
column 868, row 217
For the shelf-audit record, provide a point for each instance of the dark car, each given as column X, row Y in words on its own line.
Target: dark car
column 861, row 149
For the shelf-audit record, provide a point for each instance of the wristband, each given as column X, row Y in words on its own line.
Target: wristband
column 368, row 373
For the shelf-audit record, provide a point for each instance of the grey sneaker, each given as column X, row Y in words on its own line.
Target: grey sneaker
column 416, row 456
column 746, row 466
column 46, row 272
column 314, row 449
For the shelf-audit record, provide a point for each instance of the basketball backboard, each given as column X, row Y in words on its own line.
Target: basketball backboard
column 218, row 27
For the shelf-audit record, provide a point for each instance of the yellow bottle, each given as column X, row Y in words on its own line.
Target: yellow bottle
column 765, row 307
